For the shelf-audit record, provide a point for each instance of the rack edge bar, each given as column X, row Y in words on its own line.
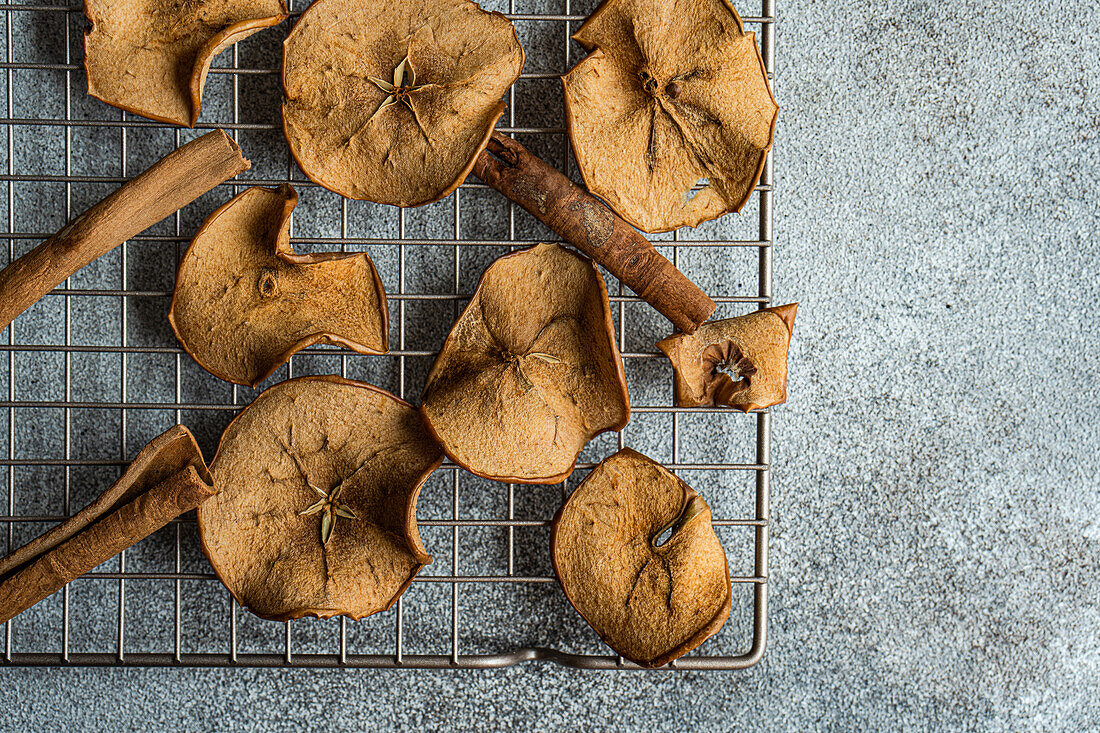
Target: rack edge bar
column 367, row 661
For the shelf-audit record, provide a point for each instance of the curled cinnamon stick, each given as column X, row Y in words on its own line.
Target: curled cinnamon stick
column 585, row 222
column 167, row 478
column 168, row 185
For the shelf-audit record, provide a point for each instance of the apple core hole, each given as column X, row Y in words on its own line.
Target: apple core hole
column 699, row 186
column 664, row 536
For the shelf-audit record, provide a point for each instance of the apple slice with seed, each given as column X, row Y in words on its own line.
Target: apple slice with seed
column 319, row 478
column 393, row 102
column 671, row 116
column 736, row 362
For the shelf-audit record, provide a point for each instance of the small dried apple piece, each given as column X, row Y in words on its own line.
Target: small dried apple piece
column 151, row 57
column 392, row 101
column 651, row 603
column 673, row 94
column 245, row 302
column 737, row 362
column 319, row 478
column 530, row 371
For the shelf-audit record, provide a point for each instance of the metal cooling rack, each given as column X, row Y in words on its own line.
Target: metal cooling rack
column 158, row 604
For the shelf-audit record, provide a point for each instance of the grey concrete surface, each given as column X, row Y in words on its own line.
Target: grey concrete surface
column 936, row 534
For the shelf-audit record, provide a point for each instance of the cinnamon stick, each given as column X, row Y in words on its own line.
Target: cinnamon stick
column 167, row 478
column 589, row 225
column 168, row 185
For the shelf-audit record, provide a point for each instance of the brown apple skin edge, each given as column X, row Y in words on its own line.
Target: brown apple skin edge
column 589, row 225
column 165, row 187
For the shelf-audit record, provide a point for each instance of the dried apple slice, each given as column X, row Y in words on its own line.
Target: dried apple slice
column 245, row 302
column 674, row 94
column 319, row 478
column 649, row 602
column 393, row 103
column 737, row 362
column 530, row 371
column 151, row 57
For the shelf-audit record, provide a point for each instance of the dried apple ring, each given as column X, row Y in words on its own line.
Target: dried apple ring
column 151, row 57
column 245, row 302
column 530, row 371
column 392, row 102
column 673, row 96
column 650, row 602
column 316, row 515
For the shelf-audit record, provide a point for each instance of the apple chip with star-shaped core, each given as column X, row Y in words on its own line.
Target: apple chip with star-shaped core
column 245, row 302
column 151, row 57
column 671, row 115
column 650, row 600
column 736, row 362
column 392, row 101
column 530, row 371
column 316, row 514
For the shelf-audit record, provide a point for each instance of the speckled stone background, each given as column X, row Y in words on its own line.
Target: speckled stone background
column 936, row 503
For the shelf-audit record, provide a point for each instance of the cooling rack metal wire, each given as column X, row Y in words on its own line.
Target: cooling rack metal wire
column 44, row 348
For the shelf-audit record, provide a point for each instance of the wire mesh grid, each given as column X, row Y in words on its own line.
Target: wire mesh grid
column 92, row 373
